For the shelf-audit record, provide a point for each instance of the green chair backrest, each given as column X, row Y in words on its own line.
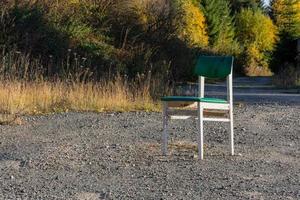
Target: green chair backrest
column 214, row 66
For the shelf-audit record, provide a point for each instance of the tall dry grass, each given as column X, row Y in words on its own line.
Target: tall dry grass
column 48, row 97
column 27, row 87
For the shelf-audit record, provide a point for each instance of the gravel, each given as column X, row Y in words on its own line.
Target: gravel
column 117, row 156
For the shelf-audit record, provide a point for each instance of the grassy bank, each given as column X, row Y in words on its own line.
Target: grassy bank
column 31, row 86
column 39, row 97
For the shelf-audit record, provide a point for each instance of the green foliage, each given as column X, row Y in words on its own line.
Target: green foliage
column 220, row 26
column 238, row 5
column 258, row 35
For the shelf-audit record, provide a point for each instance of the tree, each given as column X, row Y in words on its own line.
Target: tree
column 286, row 15
column 258, row 35
column 220, row 25
column 191, row 24
column 238, row 5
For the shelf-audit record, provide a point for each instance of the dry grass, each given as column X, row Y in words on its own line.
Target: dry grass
column 48, row 97
column 10, row 119
column 26, row 88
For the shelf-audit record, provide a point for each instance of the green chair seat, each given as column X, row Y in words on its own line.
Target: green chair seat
column 193, row 99
column 213, row 100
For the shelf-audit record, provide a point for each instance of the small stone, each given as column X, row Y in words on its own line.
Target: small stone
column 12, row 177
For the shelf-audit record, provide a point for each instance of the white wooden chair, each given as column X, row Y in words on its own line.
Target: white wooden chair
column 206, row 67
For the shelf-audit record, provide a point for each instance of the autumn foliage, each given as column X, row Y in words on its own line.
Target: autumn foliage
column 191, row 22
column 132, row 37
column 258, row 36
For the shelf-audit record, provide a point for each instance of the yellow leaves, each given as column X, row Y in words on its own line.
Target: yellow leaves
column 267, row 34
column 73, row 1
column 258, row 35
column 256, row 28
column 286, row 14
column 278, row 8
column 192, row 26
column 142, row 12
column 297, row 10
column 255, row 62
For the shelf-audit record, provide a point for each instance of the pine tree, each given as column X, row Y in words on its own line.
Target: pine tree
column 237, row 5
column 220, row 25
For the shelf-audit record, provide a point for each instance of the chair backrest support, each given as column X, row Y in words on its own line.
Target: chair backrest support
column 214, row 67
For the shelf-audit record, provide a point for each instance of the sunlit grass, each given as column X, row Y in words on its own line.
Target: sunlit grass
column 26, row 88
column 48, row 97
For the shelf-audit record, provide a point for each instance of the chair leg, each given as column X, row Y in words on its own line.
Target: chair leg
column 165, row 129
column 231, row 133
column 200, row 131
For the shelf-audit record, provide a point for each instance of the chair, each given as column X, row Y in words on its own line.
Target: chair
column 206, row 67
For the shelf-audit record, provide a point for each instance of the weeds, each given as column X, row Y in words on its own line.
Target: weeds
column 48, row 97
column 28, row 87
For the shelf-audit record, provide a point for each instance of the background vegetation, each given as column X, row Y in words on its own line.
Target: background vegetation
column 111, row 47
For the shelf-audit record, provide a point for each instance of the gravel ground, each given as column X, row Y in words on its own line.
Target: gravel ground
column 117, row 156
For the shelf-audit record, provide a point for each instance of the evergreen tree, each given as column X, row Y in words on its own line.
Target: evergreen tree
column 220, row 25
column 237, row 5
